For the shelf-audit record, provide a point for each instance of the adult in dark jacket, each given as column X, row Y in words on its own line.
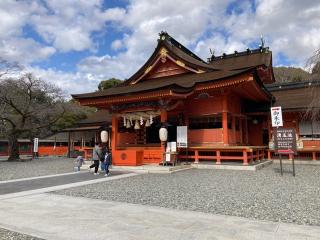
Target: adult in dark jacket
column 96, row 156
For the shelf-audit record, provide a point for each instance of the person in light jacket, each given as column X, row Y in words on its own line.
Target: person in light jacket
column 96, row 157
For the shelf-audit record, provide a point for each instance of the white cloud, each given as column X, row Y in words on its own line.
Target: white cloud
column 68, row 24
column 219, row 44
column 24, row 50
column 145, row 19
column 68, row 82
column 116, row 44
column 291, row 28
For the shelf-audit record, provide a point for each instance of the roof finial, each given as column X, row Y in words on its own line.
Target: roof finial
column 163, row 35
column 262, row 42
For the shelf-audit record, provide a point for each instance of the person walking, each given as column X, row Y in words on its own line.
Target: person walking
column 107, row 162
column 96, row 157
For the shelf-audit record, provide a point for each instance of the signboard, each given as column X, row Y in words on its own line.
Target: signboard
column 276, row 117
column 285, row 140
column 35, row 145
column 182, row 136
column 171, row 147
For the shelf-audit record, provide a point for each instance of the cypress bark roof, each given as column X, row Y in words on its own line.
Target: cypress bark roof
column 296, row 95
column 201, row 71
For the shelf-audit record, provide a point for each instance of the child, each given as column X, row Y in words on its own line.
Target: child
column 106, row 162
column 78, row 163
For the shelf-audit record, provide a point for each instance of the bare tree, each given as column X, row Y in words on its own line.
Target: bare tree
column 7, row 67
column 313, row 110
column 30, row 107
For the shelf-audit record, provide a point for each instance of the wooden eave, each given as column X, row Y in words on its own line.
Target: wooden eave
column 246, row 80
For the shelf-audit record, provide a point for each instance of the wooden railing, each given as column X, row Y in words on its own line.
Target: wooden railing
column 246, row 154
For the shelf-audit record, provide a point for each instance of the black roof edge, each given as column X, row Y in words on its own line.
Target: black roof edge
column 292, row 85
column 178, row 45
column 258, row 80
column 238, row 54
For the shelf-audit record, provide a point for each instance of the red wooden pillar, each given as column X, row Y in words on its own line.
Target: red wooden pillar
column 314, row 157
column 196, row 156
column 234, row 130
column 218, row 157
column 163, row 118
column 245, row 157
column 163, row 115
column 269, row 154
column 246, row 129
column 114, row 134
column 241, row 133
column 225, row 120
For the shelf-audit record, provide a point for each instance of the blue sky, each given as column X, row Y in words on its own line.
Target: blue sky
column 75, row 44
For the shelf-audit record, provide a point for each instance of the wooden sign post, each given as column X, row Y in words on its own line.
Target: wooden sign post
column 285, row 142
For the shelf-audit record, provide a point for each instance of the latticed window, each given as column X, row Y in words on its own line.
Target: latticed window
column 309, row 129
column 206, row 122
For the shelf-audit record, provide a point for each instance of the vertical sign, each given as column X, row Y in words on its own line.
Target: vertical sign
column 276, row 117
column 35, row 145
column 182, row 136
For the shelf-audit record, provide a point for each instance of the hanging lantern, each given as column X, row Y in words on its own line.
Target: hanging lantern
column 136, row 125
column 128, row 125
column 147, row 123
column 163, row 134
column 124, row 121
column 104, row 136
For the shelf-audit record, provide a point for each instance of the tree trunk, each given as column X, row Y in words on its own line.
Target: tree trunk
column 13, row 147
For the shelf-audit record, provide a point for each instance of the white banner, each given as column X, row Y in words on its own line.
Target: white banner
column 35, row 145
column 276, row 117
column 182, row 136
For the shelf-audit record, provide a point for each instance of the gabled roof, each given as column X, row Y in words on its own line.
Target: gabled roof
column 295, row 95
column 261, row 57
column 181, row 81
column 291, row 96
column 171, row 47
column 196, row 71
column 242, row 60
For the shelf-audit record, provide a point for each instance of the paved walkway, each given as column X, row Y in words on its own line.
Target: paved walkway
column 35, row 185
column 44, row 182
column 27, row 207
column 58, row 217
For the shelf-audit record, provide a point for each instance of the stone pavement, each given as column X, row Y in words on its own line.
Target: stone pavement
column 35, row 185
column 51, row 216
column 44, row 182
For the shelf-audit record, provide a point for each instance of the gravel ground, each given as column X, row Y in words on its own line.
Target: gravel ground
column 9, row 235
column 262, row 194
column 34, row 168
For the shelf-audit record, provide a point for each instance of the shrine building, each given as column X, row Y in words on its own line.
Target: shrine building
column 224, row 102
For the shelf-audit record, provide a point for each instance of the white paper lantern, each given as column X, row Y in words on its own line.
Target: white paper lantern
column 163, row 134
column 104, row 136
column 147, row 123
column 128, row 125
column 136, row 125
